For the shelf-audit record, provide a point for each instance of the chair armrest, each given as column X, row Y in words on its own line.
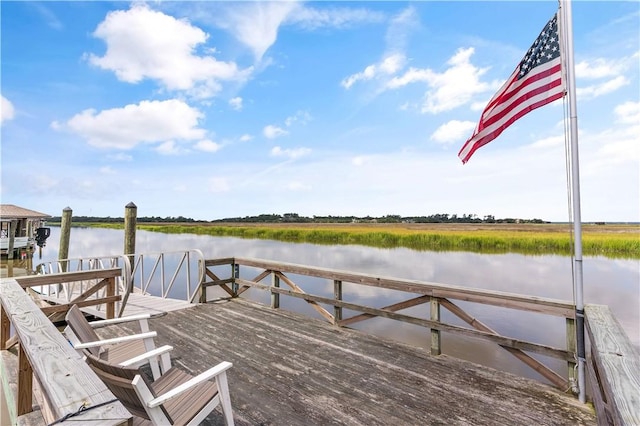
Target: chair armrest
column 105, row 342
column 202, row 377
column 101, row 323
column 147, row 355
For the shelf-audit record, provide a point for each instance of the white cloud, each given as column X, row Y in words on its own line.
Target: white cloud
column 628, row 113
column 453, row 131
column 599, row 68
column 146, row 122
column 615, row 72
column 218, row 184
column 271, row 131
column 255, row 24
column 207, row 146
column 313, row 18
column 387, row 66
column 106, row 170
column 120, row 156
column 596, row 90
column 277, row 151
column 245, row 138
column 142, row 43
column 302, row 117
column 450, row 89
column 6, row 110
column 299, row 186
column 236, row 103
column 169, row 148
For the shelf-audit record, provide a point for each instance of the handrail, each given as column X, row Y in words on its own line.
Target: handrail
column 93, row 263
column 437, row 295
column 137, row 278
column 614, row 369
column 68, row 385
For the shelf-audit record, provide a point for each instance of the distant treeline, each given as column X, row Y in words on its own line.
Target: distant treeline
column 295, row 218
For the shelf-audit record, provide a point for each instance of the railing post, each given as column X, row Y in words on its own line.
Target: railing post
column 235, row 273
column 275, row 297
column 201, row 288
column 435, row 334
column 337, row 295
column 111, row 291
column 25, row 383
column 571, row 347
column 5, row 328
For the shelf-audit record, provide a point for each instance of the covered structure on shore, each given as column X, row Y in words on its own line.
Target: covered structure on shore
column 21, row 229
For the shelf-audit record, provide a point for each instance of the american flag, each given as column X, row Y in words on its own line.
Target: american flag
column 536, row 81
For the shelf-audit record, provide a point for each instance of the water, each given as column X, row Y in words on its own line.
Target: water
column 611, row 282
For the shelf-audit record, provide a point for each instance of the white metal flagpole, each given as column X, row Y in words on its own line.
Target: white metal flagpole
column 567, row 31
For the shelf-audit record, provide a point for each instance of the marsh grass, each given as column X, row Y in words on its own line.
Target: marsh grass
column 612, row 241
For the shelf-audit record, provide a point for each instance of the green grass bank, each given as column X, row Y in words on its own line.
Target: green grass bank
column 613, row 241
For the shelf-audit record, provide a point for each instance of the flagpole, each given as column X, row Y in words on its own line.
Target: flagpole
column 565, row 9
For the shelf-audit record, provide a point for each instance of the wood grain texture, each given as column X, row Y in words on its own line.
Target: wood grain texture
column 290, row 369
column 617, row 365
column 66, row 381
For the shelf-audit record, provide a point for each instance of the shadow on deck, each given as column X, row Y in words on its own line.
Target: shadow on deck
column 292, row 370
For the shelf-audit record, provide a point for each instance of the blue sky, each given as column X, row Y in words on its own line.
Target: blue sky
column 222, row 109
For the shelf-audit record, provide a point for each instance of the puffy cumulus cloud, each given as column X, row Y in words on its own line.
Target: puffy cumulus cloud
column 245, row 138
column 143, row 43
column 146, row 122
column 271, row 131
column 7, row 111
column 388, row 66
column 207, row 145
column 453, row 131
column 454, row 87
column 292, row 154
column 236, row 103
column 628, row 113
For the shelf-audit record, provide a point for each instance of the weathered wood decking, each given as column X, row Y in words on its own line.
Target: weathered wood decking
column 292, row 370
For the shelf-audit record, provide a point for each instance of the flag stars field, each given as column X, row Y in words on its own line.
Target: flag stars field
column 224, row 109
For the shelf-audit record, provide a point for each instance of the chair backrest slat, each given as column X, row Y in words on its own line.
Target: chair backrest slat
column 118, row 379
column 82, row 329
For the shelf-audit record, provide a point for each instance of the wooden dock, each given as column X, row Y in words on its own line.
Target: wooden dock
column 293, row 370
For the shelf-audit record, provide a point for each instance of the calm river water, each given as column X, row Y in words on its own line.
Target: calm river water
column 610, row 282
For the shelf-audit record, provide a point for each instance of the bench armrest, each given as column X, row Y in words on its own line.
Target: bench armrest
column 210, row 373
column 147, row 355
column 101, row 323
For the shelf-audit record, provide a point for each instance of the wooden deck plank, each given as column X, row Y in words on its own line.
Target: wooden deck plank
column 293, row 370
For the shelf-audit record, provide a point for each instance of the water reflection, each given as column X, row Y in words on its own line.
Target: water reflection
column 612, row 282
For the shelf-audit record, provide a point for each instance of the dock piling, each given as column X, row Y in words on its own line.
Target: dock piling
column 65, row 236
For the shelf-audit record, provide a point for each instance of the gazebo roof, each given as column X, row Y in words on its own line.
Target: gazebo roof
column 10, row 211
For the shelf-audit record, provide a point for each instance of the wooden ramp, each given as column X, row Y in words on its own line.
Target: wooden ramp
column 289, row 369
column 137, row 303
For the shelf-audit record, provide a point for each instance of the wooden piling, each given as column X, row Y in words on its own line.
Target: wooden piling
column 65, row 236
column 12, row 237
column 130, row 215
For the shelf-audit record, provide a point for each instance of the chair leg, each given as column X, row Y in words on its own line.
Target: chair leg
column 225, row 399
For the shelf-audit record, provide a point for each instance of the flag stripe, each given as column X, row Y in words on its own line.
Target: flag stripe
column 550, row 83
column 536, row 81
